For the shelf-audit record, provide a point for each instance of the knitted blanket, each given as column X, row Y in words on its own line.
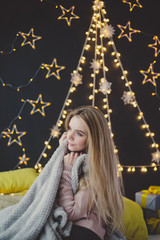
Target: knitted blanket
column 37, row 215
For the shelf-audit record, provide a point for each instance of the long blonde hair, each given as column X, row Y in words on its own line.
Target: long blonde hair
column 104, row 183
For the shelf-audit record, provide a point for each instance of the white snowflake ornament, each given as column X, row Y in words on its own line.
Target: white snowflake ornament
column 96, row 65
column 76, row 78
column 156, row 157
column 105, row 87
column 107, row 31
column 128, row 97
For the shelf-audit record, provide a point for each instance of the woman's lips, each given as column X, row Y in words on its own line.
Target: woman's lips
column 70, row 144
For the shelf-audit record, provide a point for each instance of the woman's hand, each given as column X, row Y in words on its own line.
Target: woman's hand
column 63, row 137
column 70, row 158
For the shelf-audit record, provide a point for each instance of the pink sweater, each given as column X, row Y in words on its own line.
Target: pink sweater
column 76, row 205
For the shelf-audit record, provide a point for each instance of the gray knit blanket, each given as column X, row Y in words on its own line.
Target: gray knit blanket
column 37, row 215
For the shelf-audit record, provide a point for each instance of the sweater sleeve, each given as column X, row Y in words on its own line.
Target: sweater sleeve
column 74, row 205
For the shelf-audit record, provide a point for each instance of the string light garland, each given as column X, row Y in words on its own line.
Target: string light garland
column 28, row 38
column 149, row 75
column 53, row 69
column 134, row 103
column 68, row 14
column 14, row 135
column 95, row 35
column 18, row 88
column 127, row 31
column 142, row 168
column 18, row 117
column 99, row 29
column 132, row 4
column 13, row 49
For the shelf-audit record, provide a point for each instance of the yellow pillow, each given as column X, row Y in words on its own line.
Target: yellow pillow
column 134, row 224
column 17, row 180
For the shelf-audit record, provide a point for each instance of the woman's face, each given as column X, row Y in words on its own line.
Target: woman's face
column 77, row 134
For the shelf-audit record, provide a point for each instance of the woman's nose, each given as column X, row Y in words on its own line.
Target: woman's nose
column 70, row 135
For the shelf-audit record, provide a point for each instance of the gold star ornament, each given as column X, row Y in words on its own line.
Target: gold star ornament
column 150, row 75
column 127, row 31
column 38, row 105
column 68, row 14
column 23, row 159
column 29, row 38
column 14, row 136
column 132, row 4
column 53, row 69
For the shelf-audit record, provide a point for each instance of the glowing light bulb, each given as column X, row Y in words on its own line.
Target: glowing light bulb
column 144, row 169
column 106, row 69
column 91, row 97
column 105, row 106
column 116, row 150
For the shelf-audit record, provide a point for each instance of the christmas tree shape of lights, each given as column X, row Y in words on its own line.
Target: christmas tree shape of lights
column 98, row 36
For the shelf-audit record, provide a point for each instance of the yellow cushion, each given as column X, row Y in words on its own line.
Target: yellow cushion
column 17, row 180
column 134, row 224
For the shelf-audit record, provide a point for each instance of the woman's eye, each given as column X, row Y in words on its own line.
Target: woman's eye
column 79, row 134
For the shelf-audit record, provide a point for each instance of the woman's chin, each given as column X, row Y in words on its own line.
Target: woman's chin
column 72, row 149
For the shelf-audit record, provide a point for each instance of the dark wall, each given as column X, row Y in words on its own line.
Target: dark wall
column 65, row 43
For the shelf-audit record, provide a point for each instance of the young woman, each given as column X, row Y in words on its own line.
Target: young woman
column 97, row 206
column 81, row 176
